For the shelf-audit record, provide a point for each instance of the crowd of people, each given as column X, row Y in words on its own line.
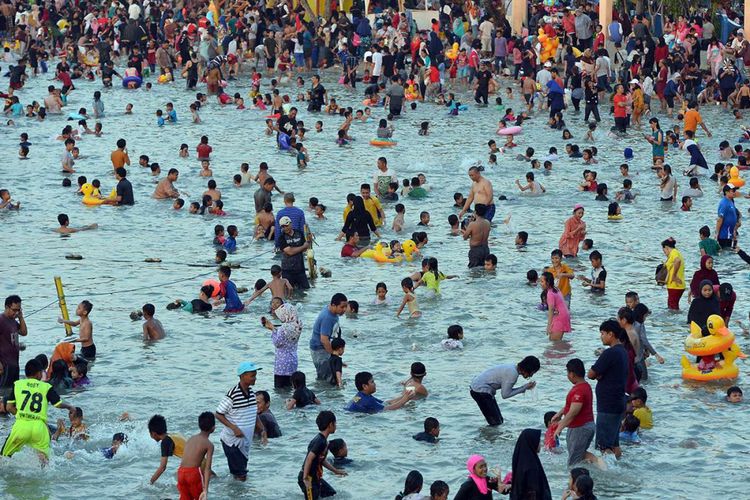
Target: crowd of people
column 646, row 78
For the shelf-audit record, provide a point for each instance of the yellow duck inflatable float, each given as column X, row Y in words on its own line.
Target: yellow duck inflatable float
column 734, row 177
column 381, row 253
column 90, row 199
column 719, row 341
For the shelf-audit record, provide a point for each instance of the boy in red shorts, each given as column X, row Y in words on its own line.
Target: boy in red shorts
column 195, row 469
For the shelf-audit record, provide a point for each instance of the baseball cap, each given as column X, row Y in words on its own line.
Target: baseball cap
column 634, row 80
column 247, row 366
column 285, row 221
column 548, row 64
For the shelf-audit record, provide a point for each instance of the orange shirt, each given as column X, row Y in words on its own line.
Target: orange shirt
column 119, row 158
column 692, row 119
column 563, row 284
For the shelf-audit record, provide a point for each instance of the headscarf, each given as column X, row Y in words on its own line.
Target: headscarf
column 64, row 351
column 703, row 274
column 481, row 482
column 701, row 308
column 528, row 473
column 291, row 325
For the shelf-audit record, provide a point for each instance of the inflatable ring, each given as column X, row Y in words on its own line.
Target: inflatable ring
column 91, row 60
column 216, row 285
column 726, row 369
column 463, row 107
column 274, row 117
column 284, row 142
column 378, row 255
column 514, row 130
column 132, row 82
column 383, row 143
column 719, row 339
column 76, row 116
column 91, row 200
column 614, row 217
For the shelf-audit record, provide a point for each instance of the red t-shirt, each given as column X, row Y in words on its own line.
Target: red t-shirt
column 580, row 393
column 204, row 150
column 620, row 111
column 348, row 250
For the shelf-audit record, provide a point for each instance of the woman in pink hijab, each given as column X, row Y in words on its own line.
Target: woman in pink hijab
column 574, row 233
column 478, row 486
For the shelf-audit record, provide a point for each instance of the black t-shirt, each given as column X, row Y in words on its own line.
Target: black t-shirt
column 125, row 191
column 303, row 396
column 388, row 61
column 318, row 93
column 167, row 447
column 287, row 125
column 423, row 436
column 319, row 446
column 483, row 78
column 336, row 365
column 612, row 370
column 271, row 425
column 136, row 62
column 199, row 306
column 296, row 262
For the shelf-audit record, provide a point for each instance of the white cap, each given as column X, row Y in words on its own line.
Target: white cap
column 285, row 221
column 548, row 64
column 635, row 80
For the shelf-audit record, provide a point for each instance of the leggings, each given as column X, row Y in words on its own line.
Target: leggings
column 576, row 104
column 673, row 298
column 481, row 96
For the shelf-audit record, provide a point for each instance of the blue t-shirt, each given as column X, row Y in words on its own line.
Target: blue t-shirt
column 728, row 211
column 17, row 109
column 232, row 302
column 230, row 244
column 365, row 403
column 108, row 452
column 172, row 116
column 326, row 324
column 160, row 121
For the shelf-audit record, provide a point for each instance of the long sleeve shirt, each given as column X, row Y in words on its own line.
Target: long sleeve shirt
column 501, row 377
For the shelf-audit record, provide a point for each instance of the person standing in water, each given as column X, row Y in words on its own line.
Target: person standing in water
column 478, row 233
column 481, row 192
column 573, row 234
column 503, row 377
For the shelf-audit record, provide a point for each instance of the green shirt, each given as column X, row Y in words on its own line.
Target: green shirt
column 710, row 246
column 418, row 192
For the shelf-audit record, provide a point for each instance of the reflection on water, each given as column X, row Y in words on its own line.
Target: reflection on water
column 190, row 370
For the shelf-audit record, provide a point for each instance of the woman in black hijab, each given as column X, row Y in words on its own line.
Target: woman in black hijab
column 360, row 221
column 529, row 480
column 704, row 305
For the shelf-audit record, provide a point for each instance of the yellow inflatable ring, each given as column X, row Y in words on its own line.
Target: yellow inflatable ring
column 91, row 200
column 719, row 340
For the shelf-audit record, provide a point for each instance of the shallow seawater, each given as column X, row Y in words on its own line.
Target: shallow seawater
column 190, row 370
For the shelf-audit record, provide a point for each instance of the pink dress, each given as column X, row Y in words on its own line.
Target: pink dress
column 560, row 314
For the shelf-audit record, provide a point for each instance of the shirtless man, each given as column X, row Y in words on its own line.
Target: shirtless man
column 64, row 228
column 478, row 232
column 481, row 193
column 152, row 329
column 265, row 226
column 165, row 189
column 195, row 468
column 53, row 102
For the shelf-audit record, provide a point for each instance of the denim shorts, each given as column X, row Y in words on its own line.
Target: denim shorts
column 608, row 430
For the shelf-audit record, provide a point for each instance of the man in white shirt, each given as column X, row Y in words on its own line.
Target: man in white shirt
column 377, row 63
column 134, row 11
column 485, row 33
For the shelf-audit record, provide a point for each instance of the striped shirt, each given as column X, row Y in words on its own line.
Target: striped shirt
column 239, row 408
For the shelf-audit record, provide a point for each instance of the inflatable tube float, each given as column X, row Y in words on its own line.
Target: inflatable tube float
column 383, row 143
column 614, row 217
column 274, row 117
column 514, row 130
column 378, row 255
column 284, row 142
column 91, row 59
column 132, row 82
column 91, row 200
column 214, row 284
column 725, row 369
column 719, row 339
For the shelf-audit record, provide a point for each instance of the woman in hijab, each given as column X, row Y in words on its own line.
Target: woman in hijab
column 706, row 272
column 64, row 351
column 704, row 304
column 478, row 486
column 284, row 338
column 529, row 479
column 574, row 233
column 360, row 221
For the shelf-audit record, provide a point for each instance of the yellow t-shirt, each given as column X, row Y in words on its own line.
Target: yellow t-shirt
column 563, row 283
column 373, row 205
column 644, row 415
column 671, row 283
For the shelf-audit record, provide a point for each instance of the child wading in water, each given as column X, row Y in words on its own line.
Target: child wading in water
column 410, row 300
column 85, row 330
column 195, row 468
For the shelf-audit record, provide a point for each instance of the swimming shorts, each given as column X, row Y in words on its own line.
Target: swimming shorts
column 27, row 433
column 490, row 212
column 189, row 483
column 477, row 255
column 89, row 352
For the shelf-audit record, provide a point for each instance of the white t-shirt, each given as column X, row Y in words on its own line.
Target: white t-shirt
column 377, row 63
column 134, row 11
